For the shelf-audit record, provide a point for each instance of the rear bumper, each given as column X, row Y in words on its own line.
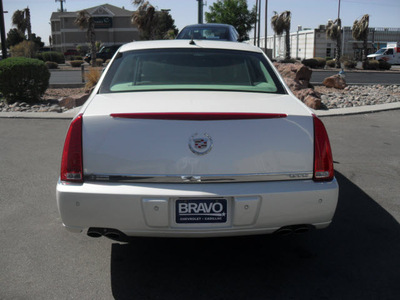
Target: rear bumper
column 149, row 209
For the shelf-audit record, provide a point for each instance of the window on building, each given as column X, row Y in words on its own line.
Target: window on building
column 328, row 52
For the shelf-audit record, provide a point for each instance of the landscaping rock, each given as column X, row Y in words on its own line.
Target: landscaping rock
column 335, row 81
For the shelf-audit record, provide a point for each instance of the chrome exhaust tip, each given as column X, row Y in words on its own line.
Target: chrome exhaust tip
column 95, row 232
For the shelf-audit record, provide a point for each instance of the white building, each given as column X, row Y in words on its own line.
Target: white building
column 309, row 43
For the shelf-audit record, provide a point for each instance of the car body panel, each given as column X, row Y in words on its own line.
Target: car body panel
column 126, row 207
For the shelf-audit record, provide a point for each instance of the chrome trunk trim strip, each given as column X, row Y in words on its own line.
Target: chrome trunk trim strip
column 198, row 178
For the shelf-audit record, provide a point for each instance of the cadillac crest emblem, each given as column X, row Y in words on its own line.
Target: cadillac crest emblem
column 200, row 144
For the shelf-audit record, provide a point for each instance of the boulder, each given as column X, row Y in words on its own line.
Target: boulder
column 73, row 101
column 297, row 77
column 335, row 81
column 310, row 97
column 294, row 71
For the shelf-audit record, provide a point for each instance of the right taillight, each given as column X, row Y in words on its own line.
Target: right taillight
column 323, row 161
column 71, row 163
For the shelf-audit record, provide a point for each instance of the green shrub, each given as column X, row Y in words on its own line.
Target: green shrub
column 331, row 63
column 23, row 79
column 384, row 65
column 288, row 61
column 371, row 65
column 321, row 62
column 51, row 65
column 57, row 57
column 76, row 63
column 350, row 64
column 77, row 57
column 311, row 63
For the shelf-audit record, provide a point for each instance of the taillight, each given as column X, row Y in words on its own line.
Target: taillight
column 71, row 163
column 323, row 161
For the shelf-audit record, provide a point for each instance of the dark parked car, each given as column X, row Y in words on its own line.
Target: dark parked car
column 210, row 31
column 106, row 52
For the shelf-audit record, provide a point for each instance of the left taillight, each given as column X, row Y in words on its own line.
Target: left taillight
column 323, row 161
column 71, row 163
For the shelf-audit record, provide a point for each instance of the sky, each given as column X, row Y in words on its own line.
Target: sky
column 306, row 13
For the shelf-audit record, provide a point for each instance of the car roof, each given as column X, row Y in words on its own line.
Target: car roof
column 207, row 25
column 207, row 44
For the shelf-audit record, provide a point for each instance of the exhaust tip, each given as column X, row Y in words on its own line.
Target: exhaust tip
column 112, row 235
column 284, row 231
column 302, row 229
column 95, row 232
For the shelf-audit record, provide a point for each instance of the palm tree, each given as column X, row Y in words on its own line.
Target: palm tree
column 18, row 19
column 360, row 32
column 85, row 21
column 28, row 22
column 144, row 18
column 334, row 32
column 281, row 23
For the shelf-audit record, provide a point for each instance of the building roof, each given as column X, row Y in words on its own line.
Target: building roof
column 99, row 10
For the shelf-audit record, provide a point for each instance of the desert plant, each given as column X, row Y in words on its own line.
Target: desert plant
column 331, row 63
column 51, row 65
column 92, row 77
column 281, row 23
column 76, row 63
column 349, row 64
column 23, row 49
column 311, row 63
column 23, row 79
column 321, row 62
column 334, row 32
column 384, row 65
column 99, row 62
column 85, row 21
column 360, row 32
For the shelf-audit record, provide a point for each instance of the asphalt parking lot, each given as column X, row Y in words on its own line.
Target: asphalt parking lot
column 357, row 257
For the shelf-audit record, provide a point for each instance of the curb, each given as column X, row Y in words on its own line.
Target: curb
column 357, row 110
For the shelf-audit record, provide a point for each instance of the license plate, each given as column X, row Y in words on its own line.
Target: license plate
column 201, row 211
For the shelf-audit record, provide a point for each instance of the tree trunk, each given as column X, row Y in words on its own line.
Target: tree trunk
column 92, row 39
column 287, row 41
column 338, row 52
column 365, row 50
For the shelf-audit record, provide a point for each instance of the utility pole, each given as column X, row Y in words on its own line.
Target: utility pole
column 61, row 3
column 3, row 31
column 266, row 25
column 259, row 23
column 255, row 25
column 200, row 12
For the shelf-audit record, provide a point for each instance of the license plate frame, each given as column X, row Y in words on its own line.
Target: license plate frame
column 201, row 211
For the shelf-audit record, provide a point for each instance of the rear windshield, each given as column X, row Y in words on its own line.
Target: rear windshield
column 190, row 69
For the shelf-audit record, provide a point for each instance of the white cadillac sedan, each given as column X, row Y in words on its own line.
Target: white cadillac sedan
column 194, row 139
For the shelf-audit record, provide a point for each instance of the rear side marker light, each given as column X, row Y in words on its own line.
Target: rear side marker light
column 323, row 161
column 202, row 116
column 71, row 163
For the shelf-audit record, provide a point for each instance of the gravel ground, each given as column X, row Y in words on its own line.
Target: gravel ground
column 353, row 95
